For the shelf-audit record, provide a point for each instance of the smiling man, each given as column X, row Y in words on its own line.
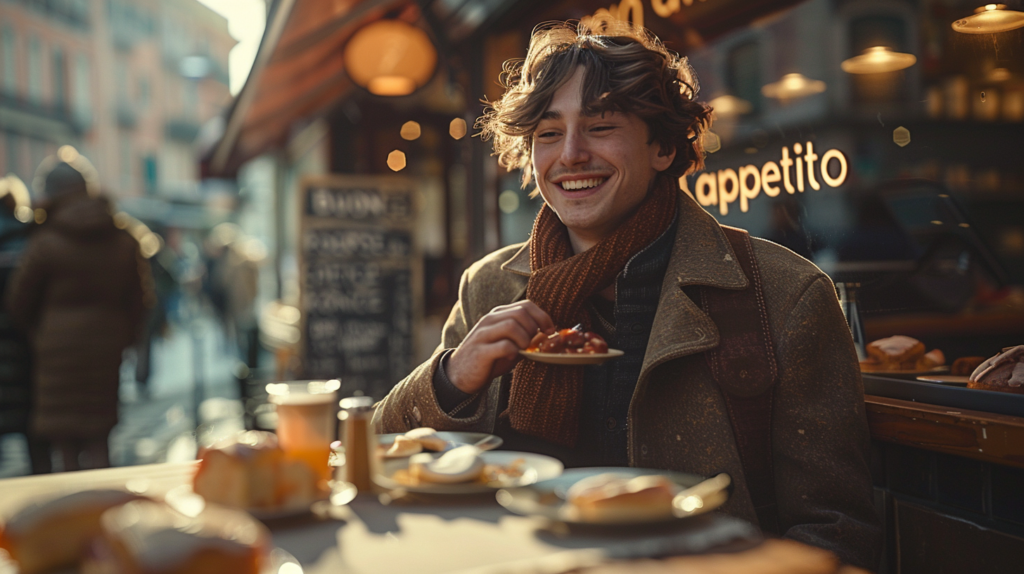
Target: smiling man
column 737, row 356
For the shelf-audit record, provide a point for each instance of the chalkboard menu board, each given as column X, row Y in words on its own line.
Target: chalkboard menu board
column 360, row 280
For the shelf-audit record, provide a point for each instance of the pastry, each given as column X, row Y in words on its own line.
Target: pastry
column 462, row 464
column 55, row 534
column 250, row 471
column 427, row 437
column 404, row 446
column 1003, row 372
column 930, row 360
column 146, row 537
column 964, row 366
column 895, row 352
column 613, row 497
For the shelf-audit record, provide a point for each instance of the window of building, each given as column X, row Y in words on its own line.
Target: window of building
column 60, row 79
column 13, row 155
column 35, row 70
column 126, row 164
column 83, row 89
column 9, row 45
column 149, row 172
column 743, row 73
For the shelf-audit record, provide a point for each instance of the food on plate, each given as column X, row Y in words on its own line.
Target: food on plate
column 457, row 466
column 930, row 360
column 1003, row 372
column 613, row 497
column 900, row 353
column 462, row 464
column 428, row 438
column 964, row 366
column 404, row 446
column 56, row 533
column 568, row 341
column 250, row 471
column 416, row 441
column 146, row 537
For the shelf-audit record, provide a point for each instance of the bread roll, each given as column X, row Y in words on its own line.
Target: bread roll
column 250, row 471
column 617, row 498
column 56, row 534
column 146, row 537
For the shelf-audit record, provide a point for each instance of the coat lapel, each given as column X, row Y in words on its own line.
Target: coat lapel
column 701, row 256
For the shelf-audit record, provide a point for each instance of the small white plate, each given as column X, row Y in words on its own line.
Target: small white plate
column 954, row 380
column 536, row 467
column 547, row 498
column 572, row 358
column 908, row 374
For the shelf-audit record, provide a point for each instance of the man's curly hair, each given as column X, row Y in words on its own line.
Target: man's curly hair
column 625, row 69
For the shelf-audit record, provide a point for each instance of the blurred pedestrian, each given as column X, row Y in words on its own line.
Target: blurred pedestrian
column 15, row 359
column 79, row 293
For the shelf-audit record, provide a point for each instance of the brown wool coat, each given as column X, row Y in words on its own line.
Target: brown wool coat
column 677, row 417
column 79, row 293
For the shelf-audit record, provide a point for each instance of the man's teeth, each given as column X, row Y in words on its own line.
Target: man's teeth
column 573, row 184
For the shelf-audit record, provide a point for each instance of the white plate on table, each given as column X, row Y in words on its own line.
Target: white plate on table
column 186, row 501
column 952, row 380
column 547, row 498
column 535, row 467
column 572, row 359
column 453, row 438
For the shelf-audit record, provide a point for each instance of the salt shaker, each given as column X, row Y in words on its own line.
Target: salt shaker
column 359, row 442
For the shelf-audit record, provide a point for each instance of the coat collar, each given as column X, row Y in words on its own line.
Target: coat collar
column 701, row 255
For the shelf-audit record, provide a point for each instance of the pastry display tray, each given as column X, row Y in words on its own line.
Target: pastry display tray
column 945, row 395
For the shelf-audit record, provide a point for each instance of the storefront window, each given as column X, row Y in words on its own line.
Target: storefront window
column 899, row 177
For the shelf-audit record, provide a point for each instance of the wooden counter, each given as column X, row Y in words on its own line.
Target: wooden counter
column 972, row 434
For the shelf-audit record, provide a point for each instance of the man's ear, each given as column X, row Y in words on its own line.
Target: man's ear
column 666, row 155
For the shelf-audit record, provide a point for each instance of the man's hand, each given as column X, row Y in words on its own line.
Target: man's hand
column 491, row 349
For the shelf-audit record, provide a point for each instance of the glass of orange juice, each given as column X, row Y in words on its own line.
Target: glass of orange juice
column 306, row 412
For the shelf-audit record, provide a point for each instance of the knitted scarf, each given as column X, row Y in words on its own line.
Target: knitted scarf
column 544, row 400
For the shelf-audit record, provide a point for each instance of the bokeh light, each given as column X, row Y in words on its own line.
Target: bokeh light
column 396, row 160
column 457, row 129
column 410, row 131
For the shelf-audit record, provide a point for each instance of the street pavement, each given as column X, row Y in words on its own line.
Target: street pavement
column 160, row 425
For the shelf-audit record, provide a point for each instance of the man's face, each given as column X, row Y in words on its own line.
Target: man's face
column 593, row 170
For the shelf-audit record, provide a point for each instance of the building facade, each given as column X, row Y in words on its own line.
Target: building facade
column 128, row 83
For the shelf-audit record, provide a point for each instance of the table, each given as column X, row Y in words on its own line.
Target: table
column 471, row 535
column 972, row 434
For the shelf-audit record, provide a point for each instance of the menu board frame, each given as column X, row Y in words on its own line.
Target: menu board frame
column 367, row 225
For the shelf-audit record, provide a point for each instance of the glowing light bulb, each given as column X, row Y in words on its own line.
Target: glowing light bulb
column 990, row 19
column 878, row 59
column 793, row 86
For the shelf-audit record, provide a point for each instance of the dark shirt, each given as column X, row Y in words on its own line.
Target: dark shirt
column 607, row 388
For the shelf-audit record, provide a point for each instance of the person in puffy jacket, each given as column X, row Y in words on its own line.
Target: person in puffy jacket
column 79, row 294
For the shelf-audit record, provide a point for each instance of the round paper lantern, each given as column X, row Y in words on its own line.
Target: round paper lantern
column 390, row 58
